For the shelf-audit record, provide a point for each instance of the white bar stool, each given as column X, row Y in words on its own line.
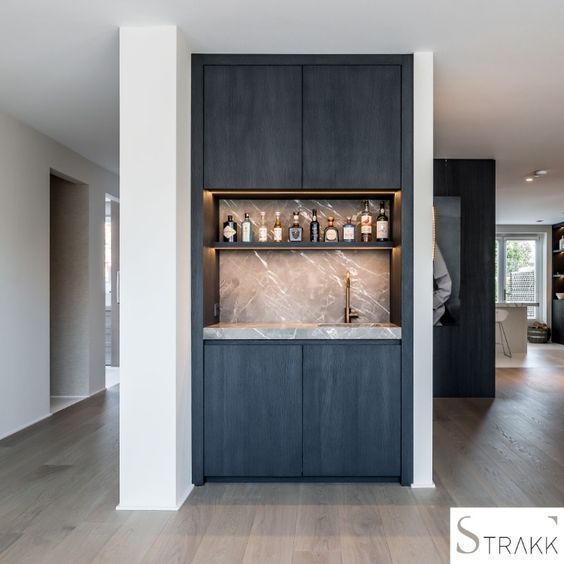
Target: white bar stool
column 500, row 317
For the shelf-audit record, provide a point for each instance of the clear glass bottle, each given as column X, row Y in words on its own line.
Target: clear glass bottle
column 277, row 229
column 230, row 230
column 246, row 230
column 382, row 225
column 562, row 243
column 348, row 231
column 295, row 233
column 366, row 223
column 331, row 235
column 263, row 229
column 314, row 227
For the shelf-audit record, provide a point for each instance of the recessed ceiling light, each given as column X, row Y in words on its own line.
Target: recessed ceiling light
column 540, row 220
column 540, row 173
column 529, row 179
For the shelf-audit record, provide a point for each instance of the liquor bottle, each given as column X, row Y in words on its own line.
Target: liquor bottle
column 277, row 229
column 263, row 229
column 348, row 231
column 230, row 230
column 561, row 243
column 331, row 234
column 314, row 227
column 295, row 232
column 366, row 224
column 382, row 225
column 246, row 229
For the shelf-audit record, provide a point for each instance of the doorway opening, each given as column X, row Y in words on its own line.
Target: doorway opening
column 112, row 289
column 69, row 292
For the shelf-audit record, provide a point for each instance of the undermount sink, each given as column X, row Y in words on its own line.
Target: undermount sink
column 360, row 324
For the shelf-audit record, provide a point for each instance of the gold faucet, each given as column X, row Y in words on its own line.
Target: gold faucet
column 349, row 312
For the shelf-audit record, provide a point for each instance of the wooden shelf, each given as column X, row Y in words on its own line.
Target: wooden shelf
column 285, row 246
column 558, row 251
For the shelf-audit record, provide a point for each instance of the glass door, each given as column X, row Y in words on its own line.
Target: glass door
column 519, row 271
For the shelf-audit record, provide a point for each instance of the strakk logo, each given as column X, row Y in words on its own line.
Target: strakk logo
column 500, row 534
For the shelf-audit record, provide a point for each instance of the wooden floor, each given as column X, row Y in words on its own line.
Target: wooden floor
column 58, row 491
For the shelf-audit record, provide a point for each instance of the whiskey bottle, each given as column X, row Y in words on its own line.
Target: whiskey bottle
column 331, row 234
column 246, row 230
column 314, row 227
column 366, row 223
column 263, row 230
column 277, row 229
column 382, row 225
column 295, row 232
column 230, row 230
column 348, row 231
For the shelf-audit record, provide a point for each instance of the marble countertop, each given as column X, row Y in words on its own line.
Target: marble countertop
column 516, row 304
column 305, row 331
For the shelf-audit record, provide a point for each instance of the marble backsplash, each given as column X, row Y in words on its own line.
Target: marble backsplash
column 339, row 209
column 305, row 286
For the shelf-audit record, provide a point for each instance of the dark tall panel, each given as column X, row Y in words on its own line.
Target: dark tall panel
column 464, row 354
column 352, row 410
column 557, row 284
column 252, row 126
column 352, row 126
column 253, row 410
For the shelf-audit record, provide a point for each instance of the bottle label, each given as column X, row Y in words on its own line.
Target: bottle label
column 278, row 234
column 263, row 234
column 295, row 234
column 348, row 233
column 366, row 224
column 228, row 232
column 331, row 235
column 246, row 234
column 381, row 229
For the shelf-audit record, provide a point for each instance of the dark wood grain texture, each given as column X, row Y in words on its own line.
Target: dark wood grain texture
column 352, row 126
column 352, row 410
column 253, row 126
column 464, row 354
column 558, row 321
column 198, row 286
column 253, row 410
column 405, row 277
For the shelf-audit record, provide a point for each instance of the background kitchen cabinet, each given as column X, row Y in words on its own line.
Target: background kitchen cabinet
column 352, row 410
column 352, row 126
column 253, row 126
column 253, row 410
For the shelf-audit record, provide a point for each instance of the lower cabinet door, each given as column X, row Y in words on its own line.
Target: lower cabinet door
column 352, row 410
column 253, row 410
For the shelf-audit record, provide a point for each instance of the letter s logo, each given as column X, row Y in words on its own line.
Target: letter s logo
column 468, row 534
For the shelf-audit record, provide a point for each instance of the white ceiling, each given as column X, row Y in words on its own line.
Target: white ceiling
column 499, row 75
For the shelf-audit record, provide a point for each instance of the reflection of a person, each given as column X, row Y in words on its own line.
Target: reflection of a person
column 442, row 286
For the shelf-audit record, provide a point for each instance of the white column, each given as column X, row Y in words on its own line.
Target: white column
column 423, row 270
column 155, row 432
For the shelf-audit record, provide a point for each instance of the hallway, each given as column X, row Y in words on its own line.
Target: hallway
column 59, row 489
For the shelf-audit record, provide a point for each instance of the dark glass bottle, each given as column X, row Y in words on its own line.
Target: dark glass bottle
column 314, row 227
column 230, row 230
column 382, row 225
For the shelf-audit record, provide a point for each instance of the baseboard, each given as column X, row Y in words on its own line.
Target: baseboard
column 183, row 498
column 23, row 427
column 421, row 486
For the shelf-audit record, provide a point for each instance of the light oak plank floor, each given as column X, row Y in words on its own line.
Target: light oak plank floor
column 58, row 491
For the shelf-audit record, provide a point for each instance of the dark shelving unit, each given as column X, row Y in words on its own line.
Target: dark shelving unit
column 557, row 285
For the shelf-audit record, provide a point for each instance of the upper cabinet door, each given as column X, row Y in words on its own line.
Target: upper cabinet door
column 252, row 126
column 352, row 126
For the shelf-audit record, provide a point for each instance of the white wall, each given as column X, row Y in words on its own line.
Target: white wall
column 423, row 270
column 155, row 400
column 26, row 158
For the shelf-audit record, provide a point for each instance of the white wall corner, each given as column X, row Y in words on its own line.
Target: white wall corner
column 423, row 270
column 155, row 397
